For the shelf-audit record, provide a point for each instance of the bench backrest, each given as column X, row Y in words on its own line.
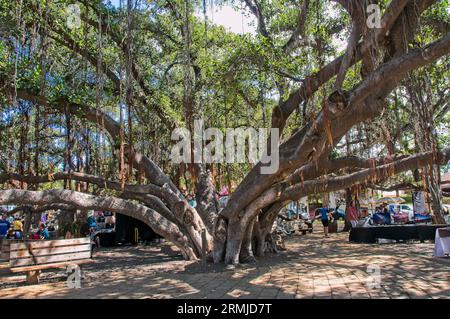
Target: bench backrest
column 49, row 251
column 5, row 247
column 4, row 250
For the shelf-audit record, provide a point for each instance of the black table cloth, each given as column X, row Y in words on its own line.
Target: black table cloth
column 394, row 232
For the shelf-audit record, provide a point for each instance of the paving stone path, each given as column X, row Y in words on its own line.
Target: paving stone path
column 312, row 267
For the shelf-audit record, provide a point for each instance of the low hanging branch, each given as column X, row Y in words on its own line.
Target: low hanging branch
column 282, row 192
column 401, row 186
column 78, row 200
column 361, row 177
column 27, row 209
column 311, row 171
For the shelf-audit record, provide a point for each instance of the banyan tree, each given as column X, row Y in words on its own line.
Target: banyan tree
column 91, row 92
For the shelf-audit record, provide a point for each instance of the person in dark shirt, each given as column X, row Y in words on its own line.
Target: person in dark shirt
column 386, row 214
column 101, row 219
column 5, row 225
column 325, row 217
column 10, row 234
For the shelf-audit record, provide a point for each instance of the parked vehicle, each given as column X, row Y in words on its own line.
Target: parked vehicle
column 446, row 208
column 402, row 213
column 401, row 217
column 304, row 222
column 292, row 211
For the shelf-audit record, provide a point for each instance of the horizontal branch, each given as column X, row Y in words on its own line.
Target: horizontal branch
column 371, row 175
column 148, row 193
column 282, row 191
column 401, row 186
column 158, row 223
column 82, row 177
column 27, row 209
column 313, row 170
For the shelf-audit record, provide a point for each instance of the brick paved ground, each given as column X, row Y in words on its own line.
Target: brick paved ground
column 313, row 267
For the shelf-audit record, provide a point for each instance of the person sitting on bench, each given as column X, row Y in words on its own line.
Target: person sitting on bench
column 110, row 221
column 10, row 234
column 43, row 232
column 18, row 228
column 4, row 226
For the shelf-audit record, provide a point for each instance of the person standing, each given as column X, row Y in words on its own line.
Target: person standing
column 353, row 215
column 44, row 217
column 325, row 217
column 386, row 214
column 95, row 238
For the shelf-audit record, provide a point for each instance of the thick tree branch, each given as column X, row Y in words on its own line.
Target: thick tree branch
column 28, row 209
column 312, row 83
column 401, row 186
column 370, row 175
column 313, row 170
column 312, row 141
column 146, row 193
column 147, row 215
column 299, row 31
column 255, row 8
column 282, row 192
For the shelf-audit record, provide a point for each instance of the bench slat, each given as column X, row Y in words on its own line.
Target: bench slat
column 36, row 252
column 49, row 243
column 50, row 259
column 50, row 266
column 4, row 250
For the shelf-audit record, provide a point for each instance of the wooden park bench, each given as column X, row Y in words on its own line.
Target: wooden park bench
column 33, row 256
